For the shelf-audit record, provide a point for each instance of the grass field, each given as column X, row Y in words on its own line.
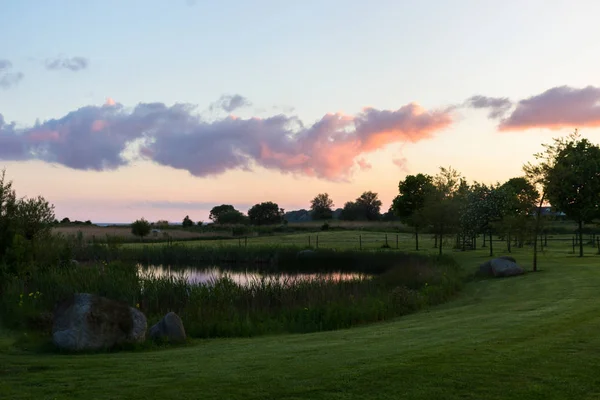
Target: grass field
column 529, row 337
column 100, row 233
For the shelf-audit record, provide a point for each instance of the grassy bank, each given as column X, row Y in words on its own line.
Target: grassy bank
column 223, row 309
column 529, row 337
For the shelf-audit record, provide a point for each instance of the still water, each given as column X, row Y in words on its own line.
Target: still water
column 243, row 278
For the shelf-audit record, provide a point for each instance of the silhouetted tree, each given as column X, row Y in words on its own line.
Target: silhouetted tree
column 140, row 228
column 217, row 211
column 408, row 205
column 187, row 222
column 321, row 207
column 265, row 213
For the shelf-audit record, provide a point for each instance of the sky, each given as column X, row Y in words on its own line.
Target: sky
column 160, row 109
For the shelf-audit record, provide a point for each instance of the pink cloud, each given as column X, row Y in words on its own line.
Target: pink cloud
column 556, row 108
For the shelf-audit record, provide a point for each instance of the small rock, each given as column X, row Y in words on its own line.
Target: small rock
column 170, row 327
column 305, row 254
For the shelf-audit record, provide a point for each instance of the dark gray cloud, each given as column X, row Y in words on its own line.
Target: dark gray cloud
column 72, row 63
column 498, row 106
column 556, row 108
column 230, row 103
column 95, row 138
column 8, row 79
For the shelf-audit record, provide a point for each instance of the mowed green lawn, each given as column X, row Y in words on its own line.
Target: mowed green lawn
column 530, row 337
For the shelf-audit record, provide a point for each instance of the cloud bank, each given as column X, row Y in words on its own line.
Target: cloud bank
column 498, row 106
column 94, row 138
column 8, row 79
column 73, row 63
column 556, row 108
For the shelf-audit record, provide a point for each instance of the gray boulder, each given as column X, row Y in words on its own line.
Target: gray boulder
column 503, row 267
column 90, row 322
column 170, row 327
column 499, row 267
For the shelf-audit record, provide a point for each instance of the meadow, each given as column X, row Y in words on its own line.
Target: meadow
column 528, row 337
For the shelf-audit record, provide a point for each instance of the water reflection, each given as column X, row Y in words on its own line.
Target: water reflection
column 243, row 278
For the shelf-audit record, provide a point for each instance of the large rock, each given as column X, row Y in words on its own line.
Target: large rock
column 90, row 322
column 304, row 254
column 503, row 267
column 499, row 267
column 170, row 327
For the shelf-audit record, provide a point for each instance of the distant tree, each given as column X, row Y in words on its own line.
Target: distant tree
column 409, row 204
column 370, row 204
column 187, row 222
column 88, row 222
column 321, row 207
column 217, row 211
column 352, row 212
column 265, row 213
column 162, row 224
column 233, row 217
column 520, row 198
column 200, row 223
column 140, row 228
column 572, row 184
column 65, row 221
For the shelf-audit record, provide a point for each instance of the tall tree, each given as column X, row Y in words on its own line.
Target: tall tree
column 217, row 211
column 370, row 205
column 321, row 207
column 520, row 200
column 8, row 206
column 573, row 182
column 409, row 204
column 265, row 213
column 546, row 175
column 442, row 206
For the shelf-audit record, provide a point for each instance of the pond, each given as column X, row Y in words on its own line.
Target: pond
column 244, row 278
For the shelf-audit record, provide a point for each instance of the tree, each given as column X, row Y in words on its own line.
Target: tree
column 442, row 203
column 140, row 228
column 573, row 182
column 408, row 205
column 8, row 206
column 370, row 205
column 187, row 222
column 232, row 217
column 543, row 172
column 65, row 220
column 35, row 217
column 520, row 198
column 265, row 213
column 352, row 212
column 217, row 211
column 321, row 207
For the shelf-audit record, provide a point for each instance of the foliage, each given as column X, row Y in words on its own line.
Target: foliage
column 34, row 217
column 187, row 222
column 140, row 228
column 321, row 207
column 217, row 211
column 266, row 213
column 443, row 202
column 232, row 217
column 366, row 207
column 410, row 202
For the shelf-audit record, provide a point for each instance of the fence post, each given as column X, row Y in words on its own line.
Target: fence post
column 386, row 242
column 360, row 242
column 545, row 239
column 598, row 244
column 308, row 240
column 245, row 241
column 317, row 241
column 396, row 241
column 484, row 238
column 239, row 242
column 573, row 239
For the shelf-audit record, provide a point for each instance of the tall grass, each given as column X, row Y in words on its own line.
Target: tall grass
column 223, row 308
